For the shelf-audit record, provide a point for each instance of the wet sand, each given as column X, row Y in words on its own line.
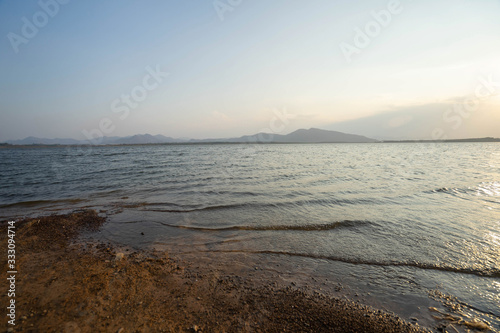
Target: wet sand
column 69, row 284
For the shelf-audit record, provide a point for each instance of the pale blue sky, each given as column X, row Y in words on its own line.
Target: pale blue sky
column 229, row 77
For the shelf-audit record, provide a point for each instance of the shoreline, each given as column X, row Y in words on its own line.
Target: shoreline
column 72, row 285
column 90, row 145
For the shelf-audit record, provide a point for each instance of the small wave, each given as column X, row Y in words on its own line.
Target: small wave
column 462, row 193
column 181, row 209
column 105, row 194
column 175, row 208
column 303, row 227
column 453, row 191
column 41, row 202
column 191, row 210
column 441, row 190
column 483, row 189
column 490, row 273
column 115, row 154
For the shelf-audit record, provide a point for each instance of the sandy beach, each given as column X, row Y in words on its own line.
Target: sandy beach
column 69, row 285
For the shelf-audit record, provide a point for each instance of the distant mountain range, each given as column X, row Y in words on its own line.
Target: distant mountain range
column 312, row 135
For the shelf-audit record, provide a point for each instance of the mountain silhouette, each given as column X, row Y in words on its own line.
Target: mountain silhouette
column 312, row 135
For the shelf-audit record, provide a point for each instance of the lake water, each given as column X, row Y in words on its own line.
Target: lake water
column 393, row 222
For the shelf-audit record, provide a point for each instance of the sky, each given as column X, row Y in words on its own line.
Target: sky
column 224, row 68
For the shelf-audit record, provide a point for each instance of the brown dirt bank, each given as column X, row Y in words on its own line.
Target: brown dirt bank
column 68, row 286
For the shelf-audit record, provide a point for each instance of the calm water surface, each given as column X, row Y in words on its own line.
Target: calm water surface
column 397, row 220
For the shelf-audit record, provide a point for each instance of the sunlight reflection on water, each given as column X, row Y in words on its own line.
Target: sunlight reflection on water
column 489, row 189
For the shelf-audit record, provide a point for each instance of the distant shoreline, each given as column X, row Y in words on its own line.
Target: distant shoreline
column 471, row 140
column 300, row 136
column 444, row 141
